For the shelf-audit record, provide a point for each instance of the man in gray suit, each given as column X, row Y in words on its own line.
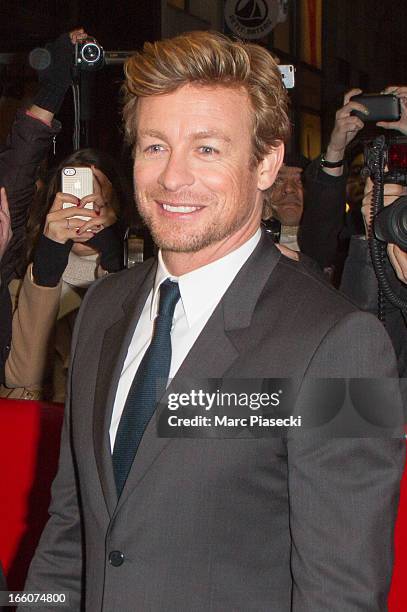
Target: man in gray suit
column 140, row 522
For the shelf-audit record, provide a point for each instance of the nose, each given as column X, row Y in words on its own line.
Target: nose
column 289, row 186
column 176, row 173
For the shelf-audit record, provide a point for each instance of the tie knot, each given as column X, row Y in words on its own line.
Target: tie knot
column 169, row 296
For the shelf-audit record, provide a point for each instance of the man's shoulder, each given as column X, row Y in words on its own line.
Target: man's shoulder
column 107, row 296
column 300, row 279
column 120, row 284
column 342, row 339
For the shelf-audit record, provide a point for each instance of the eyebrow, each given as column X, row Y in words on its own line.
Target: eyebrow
column 211, row 134
column 154, row 133
column 196, row 136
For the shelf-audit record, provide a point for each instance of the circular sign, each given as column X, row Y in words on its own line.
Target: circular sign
column 253, row 19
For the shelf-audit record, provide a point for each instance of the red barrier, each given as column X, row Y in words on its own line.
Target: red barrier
column 29, row 446
column 29, row 449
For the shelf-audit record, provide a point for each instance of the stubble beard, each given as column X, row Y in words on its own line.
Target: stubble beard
column 174, row 237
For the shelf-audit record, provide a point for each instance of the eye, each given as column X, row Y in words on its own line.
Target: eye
column 207, row 150
column 154, row 149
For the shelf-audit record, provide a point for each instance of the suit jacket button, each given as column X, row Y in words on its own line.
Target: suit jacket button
column 116, row 558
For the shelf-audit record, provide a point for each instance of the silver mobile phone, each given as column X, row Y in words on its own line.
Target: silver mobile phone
column 287, row 72
column 77, row 181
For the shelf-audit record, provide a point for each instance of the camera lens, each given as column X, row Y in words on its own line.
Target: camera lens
column 90, row 53
column 390, row 224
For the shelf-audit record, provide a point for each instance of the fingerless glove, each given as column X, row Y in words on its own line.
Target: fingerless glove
column 109, row 243
column 50, row 261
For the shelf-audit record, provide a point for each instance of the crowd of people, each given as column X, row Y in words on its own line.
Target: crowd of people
column 50, row 256
column 204, row 185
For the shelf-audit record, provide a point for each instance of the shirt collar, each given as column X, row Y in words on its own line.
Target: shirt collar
column 203, row 288
column 161, row 275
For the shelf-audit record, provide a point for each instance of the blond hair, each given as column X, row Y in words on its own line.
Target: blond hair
column 210, row 58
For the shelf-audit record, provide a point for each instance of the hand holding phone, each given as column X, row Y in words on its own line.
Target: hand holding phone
column 61, row 225
column 401, row 126
column 101, row 200
column 381, row 107
column 345, row 129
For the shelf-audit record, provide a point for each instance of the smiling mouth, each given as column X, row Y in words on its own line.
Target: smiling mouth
column 178, row 208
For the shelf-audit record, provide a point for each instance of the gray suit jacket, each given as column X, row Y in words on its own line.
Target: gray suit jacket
column 274, row 524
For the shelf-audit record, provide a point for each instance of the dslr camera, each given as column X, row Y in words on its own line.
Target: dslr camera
column 89, row 55
column 390, row 223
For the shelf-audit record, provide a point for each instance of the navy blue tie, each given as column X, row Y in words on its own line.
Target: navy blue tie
column 148, row 385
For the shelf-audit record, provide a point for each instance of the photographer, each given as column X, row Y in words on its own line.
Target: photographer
column 31, row 136
column 360, row 283
column 328, row 185
column 359, row 280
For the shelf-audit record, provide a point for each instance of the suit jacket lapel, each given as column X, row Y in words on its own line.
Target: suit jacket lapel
column 116, row 340
column 216, row 349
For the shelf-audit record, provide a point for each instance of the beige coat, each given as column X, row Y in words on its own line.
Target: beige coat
column 38, row 361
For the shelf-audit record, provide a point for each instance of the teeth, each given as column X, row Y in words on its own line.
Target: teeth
column 180, row 209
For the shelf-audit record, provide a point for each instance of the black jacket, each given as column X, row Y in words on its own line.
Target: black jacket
column 359, row 283
column 323, row 219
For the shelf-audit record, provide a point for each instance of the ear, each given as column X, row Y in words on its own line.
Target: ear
column 268, row 168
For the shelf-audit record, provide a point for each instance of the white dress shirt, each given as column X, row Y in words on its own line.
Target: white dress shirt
column 201, row 290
